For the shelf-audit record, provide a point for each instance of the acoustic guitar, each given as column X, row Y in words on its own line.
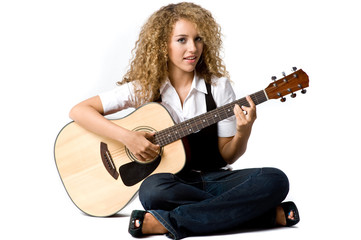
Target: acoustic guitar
column 101, row 176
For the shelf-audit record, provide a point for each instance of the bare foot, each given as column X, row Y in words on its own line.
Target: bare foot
column 151, row 225
column 281, row 217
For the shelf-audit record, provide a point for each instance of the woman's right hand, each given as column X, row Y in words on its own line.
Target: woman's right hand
column 140, row 144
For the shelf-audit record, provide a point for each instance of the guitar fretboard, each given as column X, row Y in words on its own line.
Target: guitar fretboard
column 193, row 125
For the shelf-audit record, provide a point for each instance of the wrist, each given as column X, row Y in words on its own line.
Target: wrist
column 123, row 135
column 244, row 132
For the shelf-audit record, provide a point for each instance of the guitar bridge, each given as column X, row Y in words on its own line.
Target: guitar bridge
column 108, row 161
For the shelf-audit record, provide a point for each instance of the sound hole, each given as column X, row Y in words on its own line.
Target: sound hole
column 131, row 155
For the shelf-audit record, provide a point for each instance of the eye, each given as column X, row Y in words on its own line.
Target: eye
column 181, row 40
column 198, row 39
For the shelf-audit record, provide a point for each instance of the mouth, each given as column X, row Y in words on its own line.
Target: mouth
column 190, row 59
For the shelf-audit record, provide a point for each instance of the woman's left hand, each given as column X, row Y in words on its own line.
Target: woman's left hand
column 245, row 116
column 232, row 148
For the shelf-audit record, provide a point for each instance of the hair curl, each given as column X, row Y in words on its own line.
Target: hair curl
column 148, row 65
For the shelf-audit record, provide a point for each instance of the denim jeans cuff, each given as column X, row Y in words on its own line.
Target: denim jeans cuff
column 162, row 219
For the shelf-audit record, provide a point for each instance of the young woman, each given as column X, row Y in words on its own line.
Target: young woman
column 177, row 63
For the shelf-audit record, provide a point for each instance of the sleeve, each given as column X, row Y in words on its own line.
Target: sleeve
column 223, row 93
column 117, row 99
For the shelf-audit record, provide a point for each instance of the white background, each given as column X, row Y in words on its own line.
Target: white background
column 54, row 54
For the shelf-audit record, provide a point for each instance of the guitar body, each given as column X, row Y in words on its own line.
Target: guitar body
column 99, row 174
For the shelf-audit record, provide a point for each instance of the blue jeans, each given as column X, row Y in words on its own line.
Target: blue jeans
column 203, row 203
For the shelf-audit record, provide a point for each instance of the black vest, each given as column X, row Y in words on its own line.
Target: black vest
column 204, row 151
column 202, row 147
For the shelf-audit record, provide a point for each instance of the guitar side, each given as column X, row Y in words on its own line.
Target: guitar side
column 88, row 182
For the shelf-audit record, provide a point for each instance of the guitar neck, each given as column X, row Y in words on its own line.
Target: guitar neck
column 183, row 129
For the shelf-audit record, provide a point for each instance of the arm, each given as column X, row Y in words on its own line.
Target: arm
column 89, row 114
column 231, row 148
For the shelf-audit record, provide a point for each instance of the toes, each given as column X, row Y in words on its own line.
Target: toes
column 291, row 215
column 137, row 223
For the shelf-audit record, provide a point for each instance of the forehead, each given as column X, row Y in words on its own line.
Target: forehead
column 184, row 27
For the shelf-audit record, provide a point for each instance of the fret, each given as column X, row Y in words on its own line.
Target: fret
column 243, row 102
column 188, row 127
column 215, row 116
column 221, row 115
column 203, row 122
column 182, row 130
column 261, row 97
column 229, row 110
column 198, row 124
column 177, row 132
column 206, row 122
column 254, row 98
column 195, row 125
column 158, row 140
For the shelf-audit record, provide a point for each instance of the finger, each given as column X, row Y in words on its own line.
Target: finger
column 250, row 101
column 152, row 153
column 246, row 110
column 238, row 112
column 154, row 147
column 149, row 136
column 237, row 109
column 243, row 110
column 140, row 157
column 146, row 156
column 250, row 113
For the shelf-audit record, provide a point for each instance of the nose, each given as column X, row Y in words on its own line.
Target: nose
column 192, row 46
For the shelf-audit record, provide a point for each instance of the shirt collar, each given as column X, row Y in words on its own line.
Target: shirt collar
column 197, row 84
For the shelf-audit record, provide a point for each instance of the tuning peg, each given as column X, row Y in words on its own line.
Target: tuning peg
column 283, row 99
column 293, row 95
column 274, row 79
column 303, row 91
column 284, row 79
column 294, row 69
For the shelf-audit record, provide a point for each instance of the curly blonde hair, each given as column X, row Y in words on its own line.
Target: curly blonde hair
column 149, row 66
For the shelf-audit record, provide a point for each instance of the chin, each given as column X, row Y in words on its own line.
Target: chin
column 189, row 69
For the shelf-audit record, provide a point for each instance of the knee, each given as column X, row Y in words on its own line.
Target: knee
column 153, row 189
column 277, row 182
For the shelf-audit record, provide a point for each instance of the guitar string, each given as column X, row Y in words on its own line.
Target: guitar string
column 195, row 124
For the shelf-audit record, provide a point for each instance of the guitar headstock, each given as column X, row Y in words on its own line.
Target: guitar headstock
column 289, row 84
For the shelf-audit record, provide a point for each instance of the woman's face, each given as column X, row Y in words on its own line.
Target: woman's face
column 185, row 47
